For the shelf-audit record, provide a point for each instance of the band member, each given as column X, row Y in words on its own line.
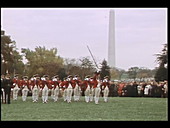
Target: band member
column 63, row 85
column 68, row 86
column 86, row 83
column 77, row 88
column 25, row 87
column 16, row 87
column 105, row 88
column 45, row 88
column 92, row 89
column 35, row 87
column 71, row 84
column 7, row 88
column 96, row 86
column 55, row 87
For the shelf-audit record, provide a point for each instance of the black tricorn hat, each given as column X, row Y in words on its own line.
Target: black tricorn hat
column 46, row 76
column 36, row 75
column 88, row 76
column 97, row 72
column 70, row 76
column 25, row 77
column 56, row 76
column 16, row 75
column 106, row 77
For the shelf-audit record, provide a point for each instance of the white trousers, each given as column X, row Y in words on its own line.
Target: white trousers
column 87, row 94
column 24, row 93
column 65, row 94
column 105, row 94
column 69, row 94
column 35, row 94
column 97, row 94
column 15, row 92
column 52, row 93
column 56, row 92
column 45, row 94
column 76, row 93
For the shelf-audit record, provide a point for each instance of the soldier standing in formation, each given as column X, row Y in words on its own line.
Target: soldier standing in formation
column 45, row 88
column 86, row 84
column 25, row 87
column 35, row 87
column 55, row 88
column 16, row 87
column 96, row 86
column 105, row 88
column 77, row 88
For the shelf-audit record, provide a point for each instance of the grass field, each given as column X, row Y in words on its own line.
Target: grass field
column 117, row 109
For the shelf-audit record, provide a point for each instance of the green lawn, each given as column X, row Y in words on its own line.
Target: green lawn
column 117, row 109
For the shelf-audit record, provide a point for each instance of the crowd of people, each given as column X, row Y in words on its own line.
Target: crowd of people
column 141, row 89
column 72, row 88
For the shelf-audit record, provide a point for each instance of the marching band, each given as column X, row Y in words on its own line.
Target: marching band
column 70, row 88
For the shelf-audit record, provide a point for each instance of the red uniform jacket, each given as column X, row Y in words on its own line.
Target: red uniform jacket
column 46, row 82
column 56, row 83
column 16, row 81
column 73, row 83
column 79, row 82
column 35, row 82
column 95, row 82
column 105, row 83
column 25, row 83
column 64, row 84
column 86, row 83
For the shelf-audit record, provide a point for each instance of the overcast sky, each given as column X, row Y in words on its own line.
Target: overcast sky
column 140, row 32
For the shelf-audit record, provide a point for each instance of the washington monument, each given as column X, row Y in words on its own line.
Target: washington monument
column 111, row 46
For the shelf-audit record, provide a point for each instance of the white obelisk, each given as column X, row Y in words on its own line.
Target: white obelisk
column 111, row 46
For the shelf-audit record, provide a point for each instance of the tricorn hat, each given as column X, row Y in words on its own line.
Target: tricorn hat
column 70, row 76
column 88, row 76
column 25, row 77
column 106, row 77
column 46, row 76
column 16, row 75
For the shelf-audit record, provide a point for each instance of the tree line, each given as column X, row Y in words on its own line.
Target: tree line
column 47, row 61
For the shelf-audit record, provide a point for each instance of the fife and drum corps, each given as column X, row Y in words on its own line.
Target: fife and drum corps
column 71, row 88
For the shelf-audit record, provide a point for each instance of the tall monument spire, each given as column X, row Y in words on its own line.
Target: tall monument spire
column 111, row 46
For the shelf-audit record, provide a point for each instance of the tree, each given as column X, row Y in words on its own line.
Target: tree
column 87, row 67
column 105, row 69
column 161, row 74
column 81, row 67
column 144, row 73
column 42, row 61
column 133, row 72
column 162, row 59
column 114, row 73
column 11, row 60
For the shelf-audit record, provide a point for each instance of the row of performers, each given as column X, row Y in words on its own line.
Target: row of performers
column 91, row 86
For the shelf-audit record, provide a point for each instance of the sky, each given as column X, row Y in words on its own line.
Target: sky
column 139, row 32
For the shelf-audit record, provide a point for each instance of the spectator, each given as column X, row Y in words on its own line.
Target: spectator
column 147, row 90
column 165, row 89
column 140, row 89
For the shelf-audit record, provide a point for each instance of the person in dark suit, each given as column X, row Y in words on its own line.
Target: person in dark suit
column 7, row 88
column 2, row 87
column 134, row 89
